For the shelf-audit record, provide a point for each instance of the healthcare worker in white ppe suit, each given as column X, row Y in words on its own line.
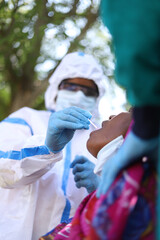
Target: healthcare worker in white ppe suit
column 37, row 187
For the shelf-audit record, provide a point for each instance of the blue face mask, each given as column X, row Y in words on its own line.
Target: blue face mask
column 66, row 98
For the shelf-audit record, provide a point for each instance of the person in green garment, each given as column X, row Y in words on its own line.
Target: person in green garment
column 134, row 26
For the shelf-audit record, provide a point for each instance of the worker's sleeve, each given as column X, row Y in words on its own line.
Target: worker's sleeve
column 135, row 28
column 23, row 156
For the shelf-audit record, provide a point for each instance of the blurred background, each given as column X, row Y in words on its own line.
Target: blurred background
column 35, row 36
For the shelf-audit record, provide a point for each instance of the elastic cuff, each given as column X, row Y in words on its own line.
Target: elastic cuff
column 53, row 151
column 146, row 121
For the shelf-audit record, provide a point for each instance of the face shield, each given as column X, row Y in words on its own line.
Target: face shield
column 75, row 65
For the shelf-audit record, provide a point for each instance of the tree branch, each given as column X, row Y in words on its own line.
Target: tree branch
column 91, row 19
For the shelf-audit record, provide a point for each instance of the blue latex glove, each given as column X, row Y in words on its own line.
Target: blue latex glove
column 83, row 173
column 62, row 125
column 132, row 148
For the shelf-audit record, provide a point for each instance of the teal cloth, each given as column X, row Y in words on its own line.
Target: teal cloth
column 135, row 28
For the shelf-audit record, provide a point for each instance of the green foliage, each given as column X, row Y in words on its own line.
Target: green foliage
column 34, row 32
column 4, row 100
column 39, row 102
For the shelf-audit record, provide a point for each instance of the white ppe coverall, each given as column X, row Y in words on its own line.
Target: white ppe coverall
column 37, row 188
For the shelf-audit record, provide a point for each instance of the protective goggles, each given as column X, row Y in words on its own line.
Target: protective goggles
column 88, row 91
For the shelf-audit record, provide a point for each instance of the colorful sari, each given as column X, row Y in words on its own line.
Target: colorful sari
column 126, row 211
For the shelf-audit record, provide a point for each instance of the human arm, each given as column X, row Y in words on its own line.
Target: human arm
column 23, row 156
column 83, row 173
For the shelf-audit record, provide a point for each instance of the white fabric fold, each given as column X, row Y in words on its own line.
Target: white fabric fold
column 108, row 151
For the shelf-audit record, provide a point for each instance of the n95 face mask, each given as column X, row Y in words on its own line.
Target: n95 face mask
column 66, row 98
column 108, row 151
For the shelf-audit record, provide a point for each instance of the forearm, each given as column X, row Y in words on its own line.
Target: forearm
column 23, row 158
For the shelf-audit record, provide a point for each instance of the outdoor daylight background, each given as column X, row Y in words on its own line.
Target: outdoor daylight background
column 34, row 37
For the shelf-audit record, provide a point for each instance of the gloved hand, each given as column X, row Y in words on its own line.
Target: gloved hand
column 132, row 148
column 83, row 173
column 62, row 125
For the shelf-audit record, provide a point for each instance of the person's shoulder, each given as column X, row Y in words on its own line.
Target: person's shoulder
column 22, row 111
column 39, row 112
column 28, row 113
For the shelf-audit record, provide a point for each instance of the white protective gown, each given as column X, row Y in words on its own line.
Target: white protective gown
column 37, row 187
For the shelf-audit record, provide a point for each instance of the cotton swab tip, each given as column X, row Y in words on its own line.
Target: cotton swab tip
column 93, row 124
